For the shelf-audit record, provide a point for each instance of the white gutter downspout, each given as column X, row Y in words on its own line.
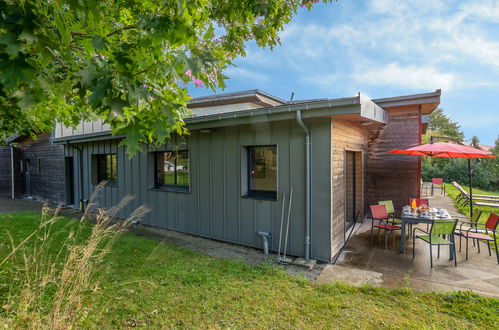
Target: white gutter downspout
column 308, row 144
column 12, row 172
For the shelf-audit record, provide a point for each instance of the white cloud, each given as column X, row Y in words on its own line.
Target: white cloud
column 241, row 73
column 415, row 77
column 487, row 10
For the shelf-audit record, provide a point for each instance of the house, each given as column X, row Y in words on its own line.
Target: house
column 226, row 180
column 35, row 166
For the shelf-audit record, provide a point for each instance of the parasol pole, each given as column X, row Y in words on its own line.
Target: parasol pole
column 470, row 173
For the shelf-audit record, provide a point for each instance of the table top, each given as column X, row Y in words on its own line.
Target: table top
column 416, row 217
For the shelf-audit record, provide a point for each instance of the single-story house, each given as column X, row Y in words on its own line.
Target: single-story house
column 226, row 179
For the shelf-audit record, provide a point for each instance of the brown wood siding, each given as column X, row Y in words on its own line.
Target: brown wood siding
column 50, row 183
column 345, row 136
column 390, row 176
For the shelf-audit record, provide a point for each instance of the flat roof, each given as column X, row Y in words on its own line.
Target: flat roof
column 429, row 101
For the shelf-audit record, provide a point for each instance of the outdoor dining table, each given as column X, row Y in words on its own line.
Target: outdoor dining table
column 411, row 218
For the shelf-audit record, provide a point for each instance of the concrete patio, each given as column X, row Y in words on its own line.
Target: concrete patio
column 360, row 264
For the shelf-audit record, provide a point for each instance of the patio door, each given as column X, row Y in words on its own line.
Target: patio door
column 69, row 171
column 27, row 177
column 353, row 186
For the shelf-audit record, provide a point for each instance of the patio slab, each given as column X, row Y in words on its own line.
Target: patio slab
column 360, row 264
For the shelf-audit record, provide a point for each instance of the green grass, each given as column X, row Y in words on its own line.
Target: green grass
column 144, row 283
column 453, row 193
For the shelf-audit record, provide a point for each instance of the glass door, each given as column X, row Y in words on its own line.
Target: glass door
column 350, row 188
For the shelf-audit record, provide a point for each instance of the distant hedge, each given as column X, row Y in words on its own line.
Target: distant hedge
column 485, row 173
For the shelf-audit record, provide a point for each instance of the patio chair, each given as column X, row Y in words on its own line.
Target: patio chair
column 439, row 182
column 434, row 237
column 419, row 202
column 379, row 213
column 391, row 213
column 488, row 233
column 468, row 224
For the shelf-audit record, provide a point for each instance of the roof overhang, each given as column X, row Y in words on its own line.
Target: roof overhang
column 358, row 108
column 13, row 138
column 428, row 101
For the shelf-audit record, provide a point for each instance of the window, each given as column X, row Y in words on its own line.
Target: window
column 262, row 171
column 172, row 169
column 106, row 168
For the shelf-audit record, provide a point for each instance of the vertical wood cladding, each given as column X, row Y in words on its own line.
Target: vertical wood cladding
column 395, row 177
column 47, row 183
column 214, row 206
column 5, row 172
column 345, row 136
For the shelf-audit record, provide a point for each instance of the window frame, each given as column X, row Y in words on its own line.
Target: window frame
column 255, row 193
column 172, row 187
column 99, row 177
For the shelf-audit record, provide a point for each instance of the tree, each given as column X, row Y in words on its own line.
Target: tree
column 441, row 125
column 495, row 150
column 475, row 142
column 124, row 61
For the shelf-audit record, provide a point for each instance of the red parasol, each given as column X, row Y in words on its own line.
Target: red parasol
column 448, row 150
column 443, row 149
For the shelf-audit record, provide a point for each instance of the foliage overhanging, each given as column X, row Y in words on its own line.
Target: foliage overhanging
column 125, row 61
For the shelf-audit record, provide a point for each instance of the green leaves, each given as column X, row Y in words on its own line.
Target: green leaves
column 123, row 61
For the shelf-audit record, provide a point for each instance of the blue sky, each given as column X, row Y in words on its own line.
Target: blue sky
column 386, row 48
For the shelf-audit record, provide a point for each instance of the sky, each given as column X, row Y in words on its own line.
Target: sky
column 385, row 48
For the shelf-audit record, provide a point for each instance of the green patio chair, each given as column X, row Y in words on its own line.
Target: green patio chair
column 434, row 237
column 473, row 223
column 391, row 212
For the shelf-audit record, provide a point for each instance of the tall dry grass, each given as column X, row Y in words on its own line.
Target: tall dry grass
column 49, row 285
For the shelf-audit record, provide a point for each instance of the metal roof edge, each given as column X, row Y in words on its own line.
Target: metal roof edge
column 412, row 99
column 329, row 103
column 105, row 135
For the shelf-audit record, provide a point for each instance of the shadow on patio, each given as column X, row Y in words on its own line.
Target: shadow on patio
column 360, row 264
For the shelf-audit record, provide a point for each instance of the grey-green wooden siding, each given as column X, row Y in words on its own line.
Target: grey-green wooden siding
column 214, row 206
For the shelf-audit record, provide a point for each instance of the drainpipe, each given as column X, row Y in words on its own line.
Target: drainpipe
column 265, row 240
column 308, row 194
column 12, row 189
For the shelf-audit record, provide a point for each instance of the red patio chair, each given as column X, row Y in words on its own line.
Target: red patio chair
column 420, row 201
column 379, row 213
column 482, row 234
column 438, row 182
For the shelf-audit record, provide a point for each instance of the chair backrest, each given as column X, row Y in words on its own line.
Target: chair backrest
column 389, row 206
column 458, row 187
column 443, row 227
column 419, row 201
column 379, row 212
column 437, row 180
column 476, row 215
column 492, row 221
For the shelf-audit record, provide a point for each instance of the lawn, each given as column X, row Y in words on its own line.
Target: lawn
column 453, row 193
column 144, row 283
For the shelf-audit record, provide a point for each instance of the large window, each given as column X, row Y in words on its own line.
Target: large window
column 172, row 169
column 106, row 168
column 262, row 171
